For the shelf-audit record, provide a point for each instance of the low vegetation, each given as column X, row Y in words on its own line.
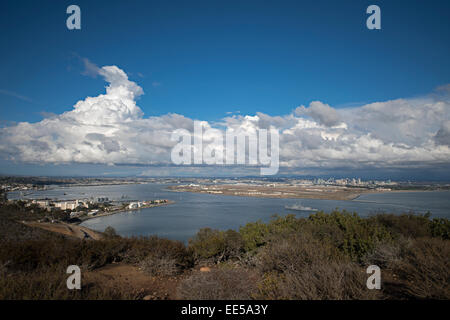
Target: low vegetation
column 324, row 256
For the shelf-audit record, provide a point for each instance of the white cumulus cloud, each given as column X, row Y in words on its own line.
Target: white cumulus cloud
column 111, row 129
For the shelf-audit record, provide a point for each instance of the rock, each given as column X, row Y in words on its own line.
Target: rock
column 205, row 269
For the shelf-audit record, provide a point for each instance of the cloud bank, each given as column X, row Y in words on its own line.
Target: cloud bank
column 111, row 129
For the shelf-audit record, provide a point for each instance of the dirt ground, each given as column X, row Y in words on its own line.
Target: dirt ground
column 132, row 279
column 66, row 229
column 126, row 278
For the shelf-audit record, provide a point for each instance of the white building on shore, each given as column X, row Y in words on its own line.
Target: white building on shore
column 135, row 205
column 70, row 205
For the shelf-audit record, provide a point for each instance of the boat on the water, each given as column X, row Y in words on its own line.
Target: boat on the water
column 298, row 206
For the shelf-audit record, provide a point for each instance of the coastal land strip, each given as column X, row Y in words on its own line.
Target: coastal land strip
column 109, row 213
column 283, row 191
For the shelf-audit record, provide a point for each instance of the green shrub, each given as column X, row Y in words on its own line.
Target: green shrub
column 353, row 235
column 323, row 256
column 440, row 227
column 299, row 266
column 216, row 245
column 408, row 225
column 208, row 244
column 254, row 235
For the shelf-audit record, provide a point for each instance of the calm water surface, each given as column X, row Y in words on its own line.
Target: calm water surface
column 192, row 211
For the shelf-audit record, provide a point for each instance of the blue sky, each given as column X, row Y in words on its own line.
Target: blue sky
column 204, row 59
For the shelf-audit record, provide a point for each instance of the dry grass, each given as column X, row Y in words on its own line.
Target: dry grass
column 160, row 266
column 219, row 284
column 302, row 268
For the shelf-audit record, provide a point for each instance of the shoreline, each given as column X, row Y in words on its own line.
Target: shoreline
column 401, row 191
column 76, row 185
column 105, row 214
